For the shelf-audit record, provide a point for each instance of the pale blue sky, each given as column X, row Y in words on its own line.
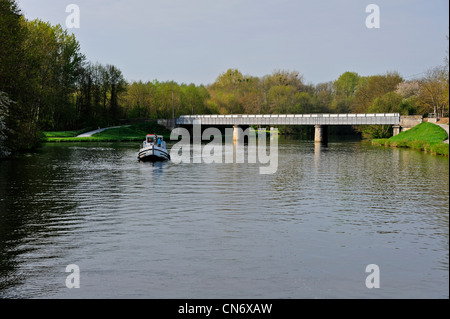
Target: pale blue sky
column 194, row 41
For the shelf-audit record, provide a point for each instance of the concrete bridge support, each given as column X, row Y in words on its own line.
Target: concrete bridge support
column 397, row 129
column 237, row 133
column 167, row 123
column 321, row 134
column 407, row 122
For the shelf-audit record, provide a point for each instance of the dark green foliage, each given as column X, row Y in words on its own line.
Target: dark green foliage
column 53, row 88
column 5, row 103
column 97, row 98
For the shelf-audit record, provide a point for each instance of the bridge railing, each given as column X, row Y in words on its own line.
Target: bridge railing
column 293, row 119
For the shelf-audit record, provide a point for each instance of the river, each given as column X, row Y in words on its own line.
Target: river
column 166, row 230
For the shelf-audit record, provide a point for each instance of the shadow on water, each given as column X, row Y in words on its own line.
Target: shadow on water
column 31, row 197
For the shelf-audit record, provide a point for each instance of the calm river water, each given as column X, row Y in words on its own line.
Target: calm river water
column 142, row 230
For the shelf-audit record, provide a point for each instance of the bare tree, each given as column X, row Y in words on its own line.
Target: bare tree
column 434, row 87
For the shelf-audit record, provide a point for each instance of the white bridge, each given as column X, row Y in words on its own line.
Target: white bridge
column 293, row 119
column 320, row 121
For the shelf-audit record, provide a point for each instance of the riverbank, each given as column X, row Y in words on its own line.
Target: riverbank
column 425, row 137
column 127, row 133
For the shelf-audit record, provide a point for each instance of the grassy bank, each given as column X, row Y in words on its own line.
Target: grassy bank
column 426, row 137
column 135, row 132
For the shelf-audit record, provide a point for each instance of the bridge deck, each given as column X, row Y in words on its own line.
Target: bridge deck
column 293, row 119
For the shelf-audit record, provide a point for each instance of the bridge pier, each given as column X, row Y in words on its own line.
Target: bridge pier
column 321, row 134
column 237, row 133
column 397, row 129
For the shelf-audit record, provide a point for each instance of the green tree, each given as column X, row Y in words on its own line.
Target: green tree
column 345, row 88
column 391, row 102
column 192, row 100
column 54, row 60
column 284, row 78
column 372, row 87
column 324, row 97
column 98, row 96
column 12, row 53
column 83, row 97
column 138, row 100
column 280, row 99
column 284, row 92
column 226, row 92
column 117, row 86
column 5, row 102
column 229, row 81
column 14, row 79
column 410, row 92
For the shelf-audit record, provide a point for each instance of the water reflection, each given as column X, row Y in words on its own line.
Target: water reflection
column 34, row 210
column 319, row 148
column 224, row 230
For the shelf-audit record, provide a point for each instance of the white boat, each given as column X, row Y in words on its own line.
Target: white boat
column 153, row 149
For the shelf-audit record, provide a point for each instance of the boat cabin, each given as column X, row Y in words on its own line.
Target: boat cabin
column 153, row 139
column 150, row 139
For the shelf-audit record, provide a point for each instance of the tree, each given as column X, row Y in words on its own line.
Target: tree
column 68, row 67
column 98, row 96
column 43, row 80
column 192, row 100
column 324, row 97
column 229, row 81
column 407, row 90
column 252, row 102
column 5, row 102
column 372, row 87
column 117, row 86
column 137, row 100
column 434, row 91
column 391, row 102
column 284, row 78
column 12, row 37
column 377, row 94
column 226, row 92
column 280, row 99
column 345, row 88
column 15, row 79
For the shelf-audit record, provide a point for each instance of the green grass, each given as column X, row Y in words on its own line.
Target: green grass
column 122, row 134
column 426, row 137
column 63, row 134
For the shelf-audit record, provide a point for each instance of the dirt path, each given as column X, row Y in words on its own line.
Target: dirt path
column 445, row 127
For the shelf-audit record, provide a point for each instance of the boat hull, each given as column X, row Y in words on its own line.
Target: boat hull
column 153, row 154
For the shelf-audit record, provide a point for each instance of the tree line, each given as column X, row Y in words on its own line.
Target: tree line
column 47, row 84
